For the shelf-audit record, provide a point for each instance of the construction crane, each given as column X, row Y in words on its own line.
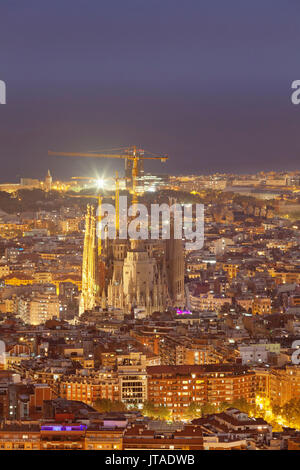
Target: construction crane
column 129, row 153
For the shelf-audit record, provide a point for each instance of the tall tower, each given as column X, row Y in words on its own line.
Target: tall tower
column 48, row 181
column 90, row 285
column 175, row 267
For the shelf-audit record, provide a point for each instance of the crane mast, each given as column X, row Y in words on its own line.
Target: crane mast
column 130, row 153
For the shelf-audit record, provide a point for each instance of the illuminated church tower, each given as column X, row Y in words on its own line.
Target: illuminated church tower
column 90, row 287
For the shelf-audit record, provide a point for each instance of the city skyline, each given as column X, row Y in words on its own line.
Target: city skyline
column 149, row 228
column 209, row 84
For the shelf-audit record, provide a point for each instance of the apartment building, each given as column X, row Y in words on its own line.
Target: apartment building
column 176, row 387
column 104, row 385
column 38, row 308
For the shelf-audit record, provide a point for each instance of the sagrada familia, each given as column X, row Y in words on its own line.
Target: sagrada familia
column 147, row 275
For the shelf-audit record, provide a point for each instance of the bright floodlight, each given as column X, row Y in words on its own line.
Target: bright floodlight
column 100, row 183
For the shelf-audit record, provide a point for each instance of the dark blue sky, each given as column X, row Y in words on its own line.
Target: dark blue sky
column 205, row 81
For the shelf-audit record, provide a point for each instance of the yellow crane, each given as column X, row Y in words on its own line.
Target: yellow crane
column 129, row 153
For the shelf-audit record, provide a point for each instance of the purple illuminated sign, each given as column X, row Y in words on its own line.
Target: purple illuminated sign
column 81, row 427
column 183, row 312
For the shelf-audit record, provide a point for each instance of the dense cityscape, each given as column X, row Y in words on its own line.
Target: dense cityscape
column 128, row 344
column 149, row 232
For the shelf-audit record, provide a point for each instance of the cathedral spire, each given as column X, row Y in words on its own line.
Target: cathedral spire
column 90, row 288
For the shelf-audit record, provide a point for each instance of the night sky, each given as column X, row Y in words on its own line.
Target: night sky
column 206, row 81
